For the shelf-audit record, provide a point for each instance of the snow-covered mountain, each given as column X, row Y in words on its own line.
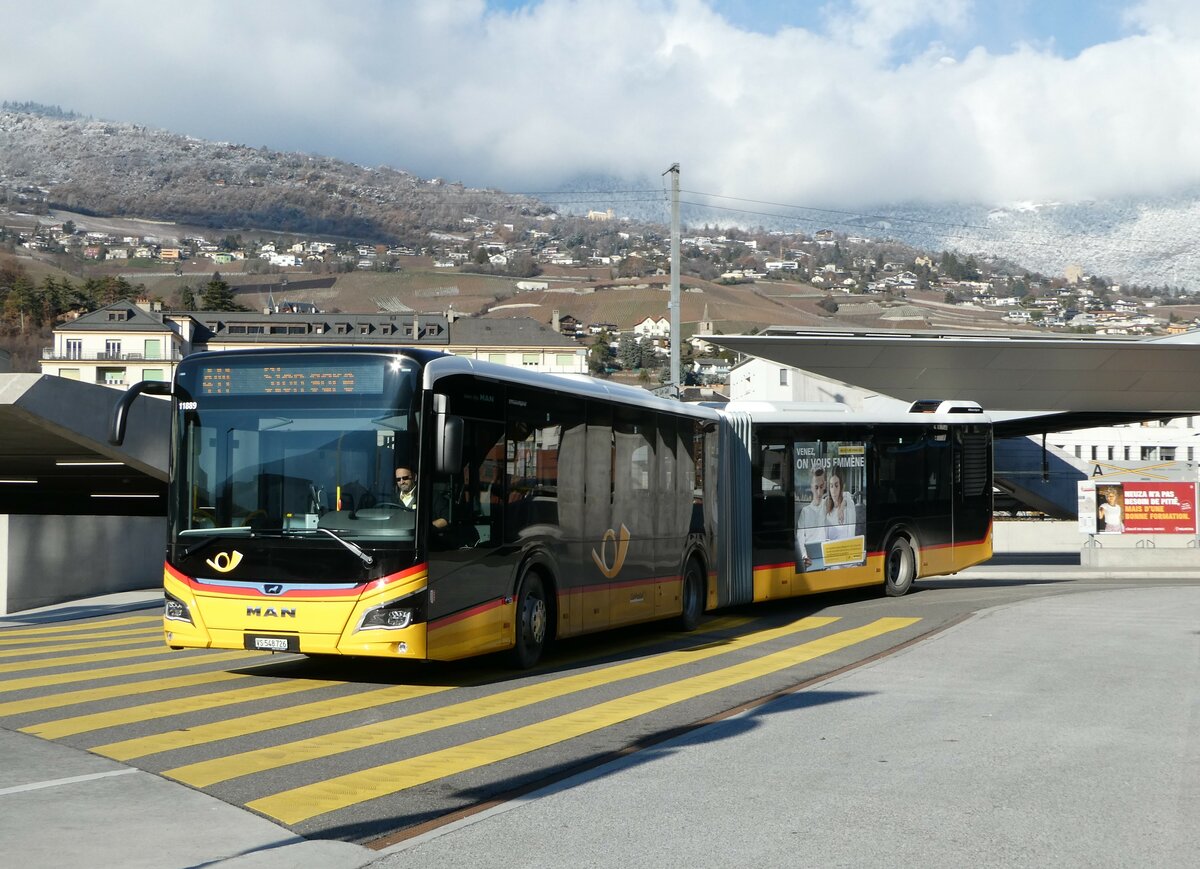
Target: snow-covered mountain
column 1151, row 241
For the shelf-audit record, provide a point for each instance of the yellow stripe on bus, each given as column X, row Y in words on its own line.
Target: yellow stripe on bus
column 107, row 692
column 302, row 803
column 91, row 644
column 91, row 636
column 209, row 772
column 177, row 662
column 218, row 730
column 179, row 706
column 77, row 627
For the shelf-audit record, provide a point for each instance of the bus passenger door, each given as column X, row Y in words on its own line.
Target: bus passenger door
column 597, row 519
column 466, row 564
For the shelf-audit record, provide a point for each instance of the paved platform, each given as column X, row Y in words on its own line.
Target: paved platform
column 780, row 785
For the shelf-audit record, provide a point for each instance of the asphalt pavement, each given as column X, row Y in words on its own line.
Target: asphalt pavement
column 1061, row 730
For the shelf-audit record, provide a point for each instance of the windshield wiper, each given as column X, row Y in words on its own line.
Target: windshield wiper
column 211, row 534
column 366, row 559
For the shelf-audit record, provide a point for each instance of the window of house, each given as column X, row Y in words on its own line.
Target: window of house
column 499, row 358
column 565, row 360
column 152, row 374
column 783, row 377
column 112, row 348
column 1166, row 454
column 530, row 358
column 74, row 348
column 1126, row 453
column 69, row 373
column 1094, row 456
column 1147, row 454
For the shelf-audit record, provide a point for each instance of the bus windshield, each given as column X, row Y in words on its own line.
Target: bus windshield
column 307, row 458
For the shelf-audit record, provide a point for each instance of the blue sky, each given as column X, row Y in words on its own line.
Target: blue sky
column 844, row 103
column 1064, row 26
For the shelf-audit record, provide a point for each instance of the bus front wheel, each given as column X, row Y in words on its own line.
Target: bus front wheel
column 532, row 622
column 900, row 567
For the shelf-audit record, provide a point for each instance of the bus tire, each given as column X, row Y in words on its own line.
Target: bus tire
column 532, row 622
column 899, row 567
column 692, row 594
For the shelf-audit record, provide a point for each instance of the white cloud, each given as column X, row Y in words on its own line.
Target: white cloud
column 529, row 98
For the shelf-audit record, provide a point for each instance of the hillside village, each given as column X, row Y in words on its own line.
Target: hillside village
column 845, row 271
column 125, row 213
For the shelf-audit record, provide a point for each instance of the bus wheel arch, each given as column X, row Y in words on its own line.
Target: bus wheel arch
column 534, row 619
column 693, row 592
column 899, row 564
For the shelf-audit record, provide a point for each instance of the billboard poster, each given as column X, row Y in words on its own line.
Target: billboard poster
column 831, row 511
column 1087, row 507
column 1137, row 508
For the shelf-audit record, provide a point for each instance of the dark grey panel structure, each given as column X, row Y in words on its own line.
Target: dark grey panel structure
column 1066, row 374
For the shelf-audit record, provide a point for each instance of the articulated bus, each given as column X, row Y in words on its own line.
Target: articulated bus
column 546, row 506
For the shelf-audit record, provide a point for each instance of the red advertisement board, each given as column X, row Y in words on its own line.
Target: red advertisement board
column 1158, row 508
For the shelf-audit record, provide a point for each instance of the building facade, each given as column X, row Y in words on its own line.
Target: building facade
column 126, row 342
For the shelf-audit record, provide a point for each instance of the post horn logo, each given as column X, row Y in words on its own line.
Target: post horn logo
column 224, row 562
column 621, row 549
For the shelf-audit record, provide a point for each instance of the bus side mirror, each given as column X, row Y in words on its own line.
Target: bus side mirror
column 448, row 444
column 120, row 412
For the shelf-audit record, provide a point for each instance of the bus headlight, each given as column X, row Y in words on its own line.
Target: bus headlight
column 176, row 610
column 395, row 615
column 389, row 619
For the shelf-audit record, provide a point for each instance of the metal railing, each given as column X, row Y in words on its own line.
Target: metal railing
column 50, row 354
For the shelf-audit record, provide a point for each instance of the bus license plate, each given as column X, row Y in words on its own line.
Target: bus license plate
column 272, row 644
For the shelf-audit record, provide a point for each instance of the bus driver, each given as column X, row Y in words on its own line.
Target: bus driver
column 406, row 495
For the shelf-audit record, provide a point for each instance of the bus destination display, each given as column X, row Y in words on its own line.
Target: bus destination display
column 347, row 378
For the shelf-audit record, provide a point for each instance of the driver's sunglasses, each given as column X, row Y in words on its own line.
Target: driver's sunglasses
column 400, row 479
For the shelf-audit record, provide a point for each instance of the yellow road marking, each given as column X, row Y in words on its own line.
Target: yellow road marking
column 133, row 632
column 94, row 657
column 179, row 706
column 88, row 695
column 176, row 662
column 80, row 626
column 299, row 804
column 218, row 730
column 229, row 729
column 71, row 647
column 209, row 772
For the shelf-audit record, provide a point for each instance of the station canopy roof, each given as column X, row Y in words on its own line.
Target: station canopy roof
column 1028, row 384
column 55, row 457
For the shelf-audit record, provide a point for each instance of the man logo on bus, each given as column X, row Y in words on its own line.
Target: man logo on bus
column 621, row 547
column 224, row 562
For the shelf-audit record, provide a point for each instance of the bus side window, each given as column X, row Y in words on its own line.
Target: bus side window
column 478, row 502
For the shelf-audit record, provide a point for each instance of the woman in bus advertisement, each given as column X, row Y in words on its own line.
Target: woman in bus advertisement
column 830, row 482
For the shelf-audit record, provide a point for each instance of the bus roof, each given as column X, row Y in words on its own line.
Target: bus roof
column 574, row 384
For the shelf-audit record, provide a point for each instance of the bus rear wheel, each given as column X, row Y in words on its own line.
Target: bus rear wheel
column 900, row 567
column 533, row 619
column 693, row 596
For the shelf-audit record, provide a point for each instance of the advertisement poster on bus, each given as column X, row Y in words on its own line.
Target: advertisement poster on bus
column 1137, row 508
column 830, row 485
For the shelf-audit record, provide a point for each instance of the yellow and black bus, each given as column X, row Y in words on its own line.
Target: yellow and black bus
column 545, row 506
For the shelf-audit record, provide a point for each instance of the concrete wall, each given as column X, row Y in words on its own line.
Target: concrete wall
column 1044, row 536
column 1110, row 551
column 50, row 559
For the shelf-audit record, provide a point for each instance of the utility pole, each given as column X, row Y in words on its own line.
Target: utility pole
column 673, row 304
